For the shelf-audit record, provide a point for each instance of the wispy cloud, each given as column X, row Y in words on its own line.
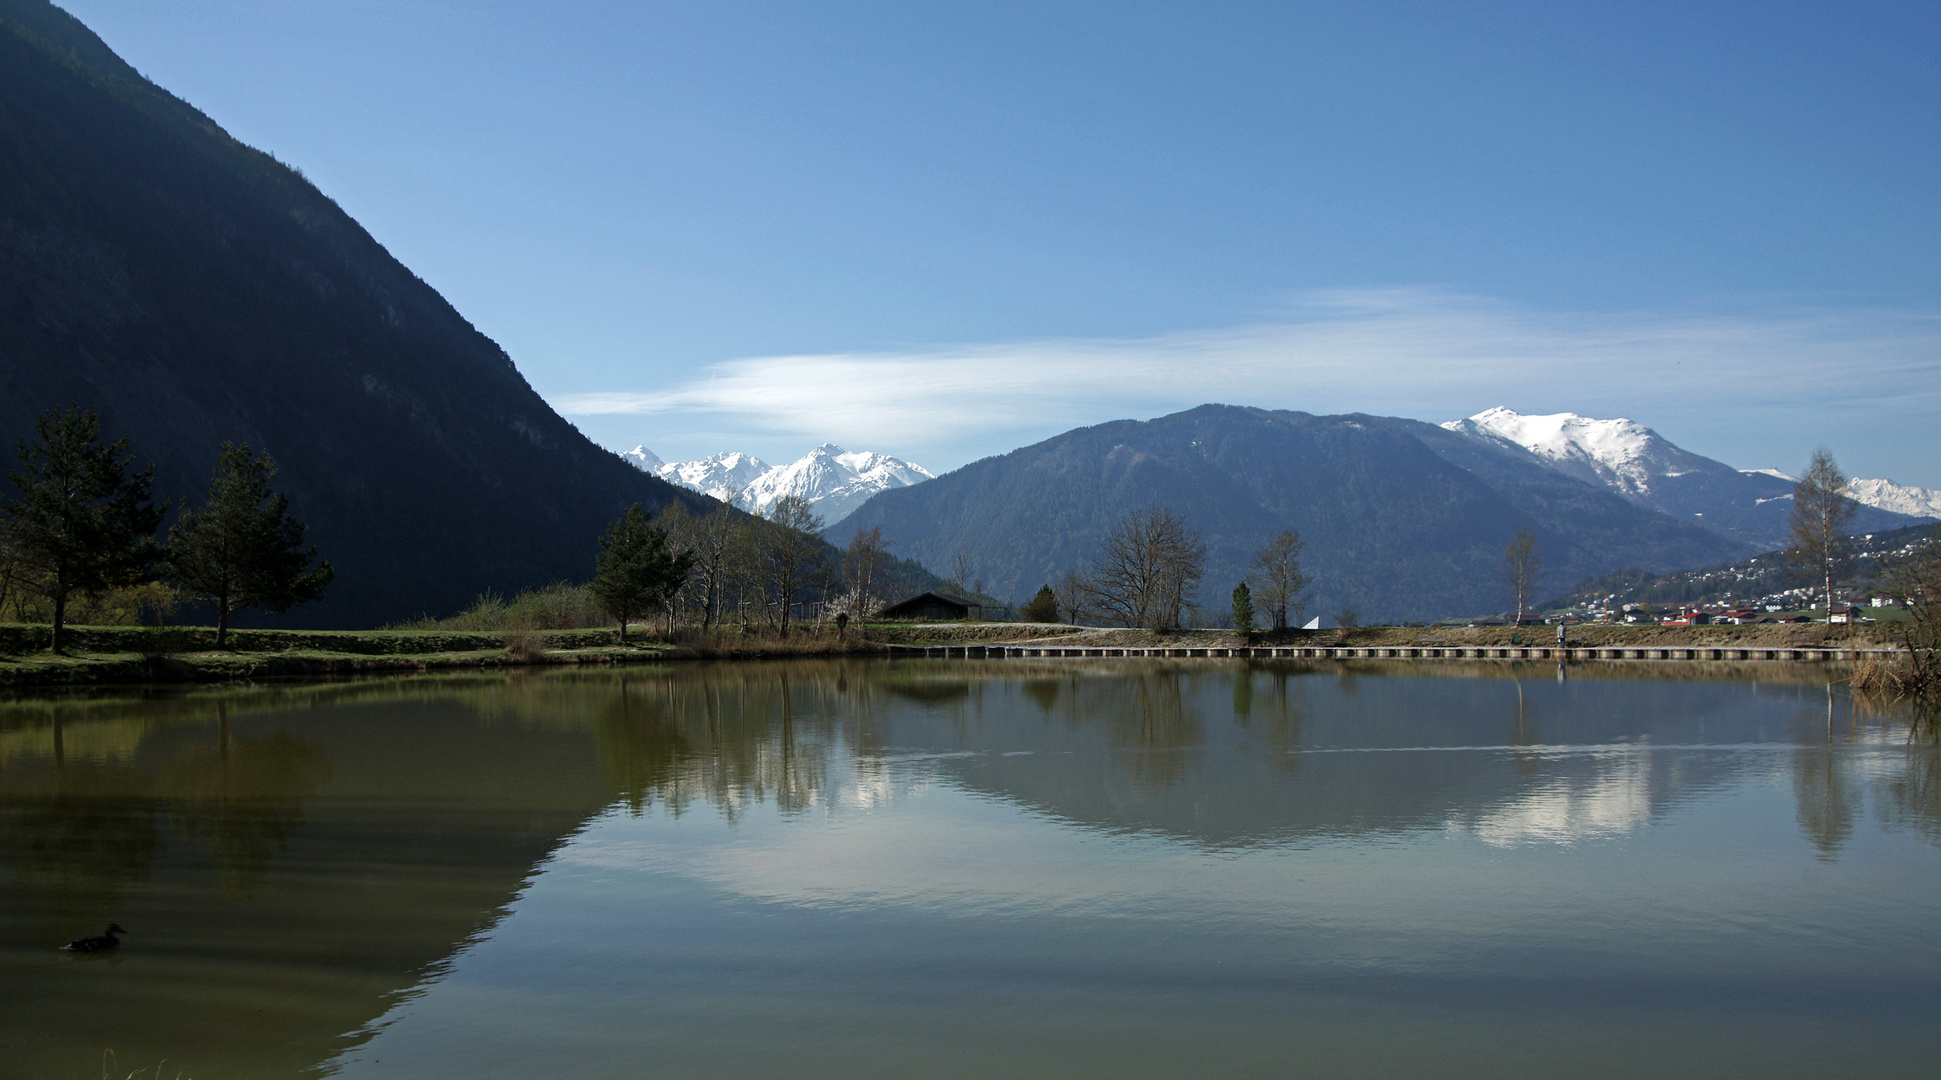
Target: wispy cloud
column 1421, row 353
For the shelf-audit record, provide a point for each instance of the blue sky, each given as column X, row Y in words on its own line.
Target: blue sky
column 943, row 231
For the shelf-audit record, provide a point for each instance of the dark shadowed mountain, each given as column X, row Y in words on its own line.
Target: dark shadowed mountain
column 1403, row 519
column 194, row 290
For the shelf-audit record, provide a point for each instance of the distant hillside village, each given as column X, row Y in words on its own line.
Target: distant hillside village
column 1763, row 589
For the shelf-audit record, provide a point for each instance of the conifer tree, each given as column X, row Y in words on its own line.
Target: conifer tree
column 1243, row 609
column 83, row 522
column 636, row 571
column 1042, row 607
column 242, row 549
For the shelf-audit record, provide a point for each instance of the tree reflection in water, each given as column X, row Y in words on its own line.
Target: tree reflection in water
column 92, row 802
column 745, row 734
column 1278, row 721
column 242, row 797
column 78, row 830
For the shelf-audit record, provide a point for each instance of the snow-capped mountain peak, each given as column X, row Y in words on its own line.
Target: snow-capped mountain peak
column 1631, row 460
column 1900, row 498
column 643, row 459
column 1620, row 454
column 1880, row 494
column 722, row 476
column 834, row 480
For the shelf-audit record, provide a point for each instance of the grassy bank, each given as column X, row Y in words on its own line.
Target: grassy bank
column 123, row 654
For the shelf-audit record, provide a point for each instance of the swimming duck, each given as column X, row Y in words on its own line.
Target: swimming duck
column 107, row 940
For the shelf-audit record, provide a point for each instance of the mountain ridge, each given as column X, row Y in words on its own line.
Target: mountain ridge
column 1402, row 518
column 834, row 481
column 1749, row 505
column 193, row 290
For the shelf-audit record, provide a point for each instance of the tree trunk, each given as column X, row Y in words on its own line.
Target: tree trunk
column 60, row 619
column 222, row 625
column 1829, row 593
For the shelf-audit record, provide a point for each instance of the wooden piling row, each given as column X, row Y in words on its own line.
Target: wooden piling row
column 1569, row 653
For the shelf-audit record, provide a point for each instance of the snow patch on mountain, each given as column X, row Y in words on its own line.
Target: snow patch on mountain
column 1900, row 498
column 834, row 480
column 1620, row 454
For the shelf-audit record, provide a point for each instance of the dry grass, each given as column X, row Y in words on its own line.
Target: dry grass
column 524, row 647
column 804, row 639
column 559, row 606
column 110, row 1067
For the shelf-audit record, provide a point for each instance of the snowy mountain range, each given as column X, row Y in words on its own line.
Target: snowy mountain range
column 1900, row 498
column 834, row 480
column 1883, row 494
column 1643, row 466
column 1623, row 455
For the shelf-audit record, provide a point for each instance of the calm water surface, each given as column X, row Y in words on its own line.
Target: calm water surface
column 918, row 869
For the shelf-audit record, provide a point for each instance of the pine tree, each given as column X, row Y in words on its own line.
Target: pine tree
column 1243, row 609
column 242, row 549
column 1042, row 608
column 636, row 572
column 83, row 522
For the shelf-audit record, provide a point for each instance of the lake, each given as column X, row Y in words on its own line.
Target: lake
column 975, row 869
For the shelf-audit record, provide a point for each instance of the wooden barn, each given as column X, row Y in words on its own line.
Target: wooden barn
column 932, row 607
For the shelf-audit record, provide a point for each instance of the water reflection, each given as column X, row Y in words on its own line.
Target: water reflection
column 242, row 797
column 333, row 846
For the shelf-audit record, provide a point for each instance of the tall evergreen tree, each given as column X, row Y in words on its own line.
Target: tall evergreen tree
column 83, row 522
column 242, row 549
column 1041, row 608
column 1243, row 609
column 636, row 571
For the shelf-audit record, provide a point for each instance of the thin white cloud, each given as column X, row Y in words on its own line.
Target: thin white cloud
column 1419, row 353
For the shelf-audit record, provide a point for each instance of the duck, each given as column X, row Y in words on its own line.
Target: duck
column 107, row 940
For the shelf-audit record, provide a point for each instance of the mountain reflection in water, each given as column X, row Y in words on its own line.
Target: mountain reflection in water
column 297, row 861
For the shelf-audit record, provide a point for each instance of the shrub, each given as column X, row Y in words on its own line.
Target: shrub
column 559, row 606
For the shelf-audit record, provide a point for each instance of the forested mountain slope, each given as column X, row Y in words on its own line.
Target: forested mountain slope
column 194, row 290
column 1403, row 519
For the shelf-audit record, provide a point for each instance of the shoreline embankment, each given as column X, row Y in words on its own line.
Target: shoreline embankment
column 100, row 656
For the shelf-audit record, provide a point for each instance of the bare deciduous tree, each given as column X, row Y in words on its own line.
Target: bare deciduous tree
column 1916, row 582
column 711, row 537
column 790, row 551
column 1822, row 514
column 1148, row 568
column 1278, row 580
column 1074, row 593
column 1522, row 569
column 860, row 564
column 960, row 572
